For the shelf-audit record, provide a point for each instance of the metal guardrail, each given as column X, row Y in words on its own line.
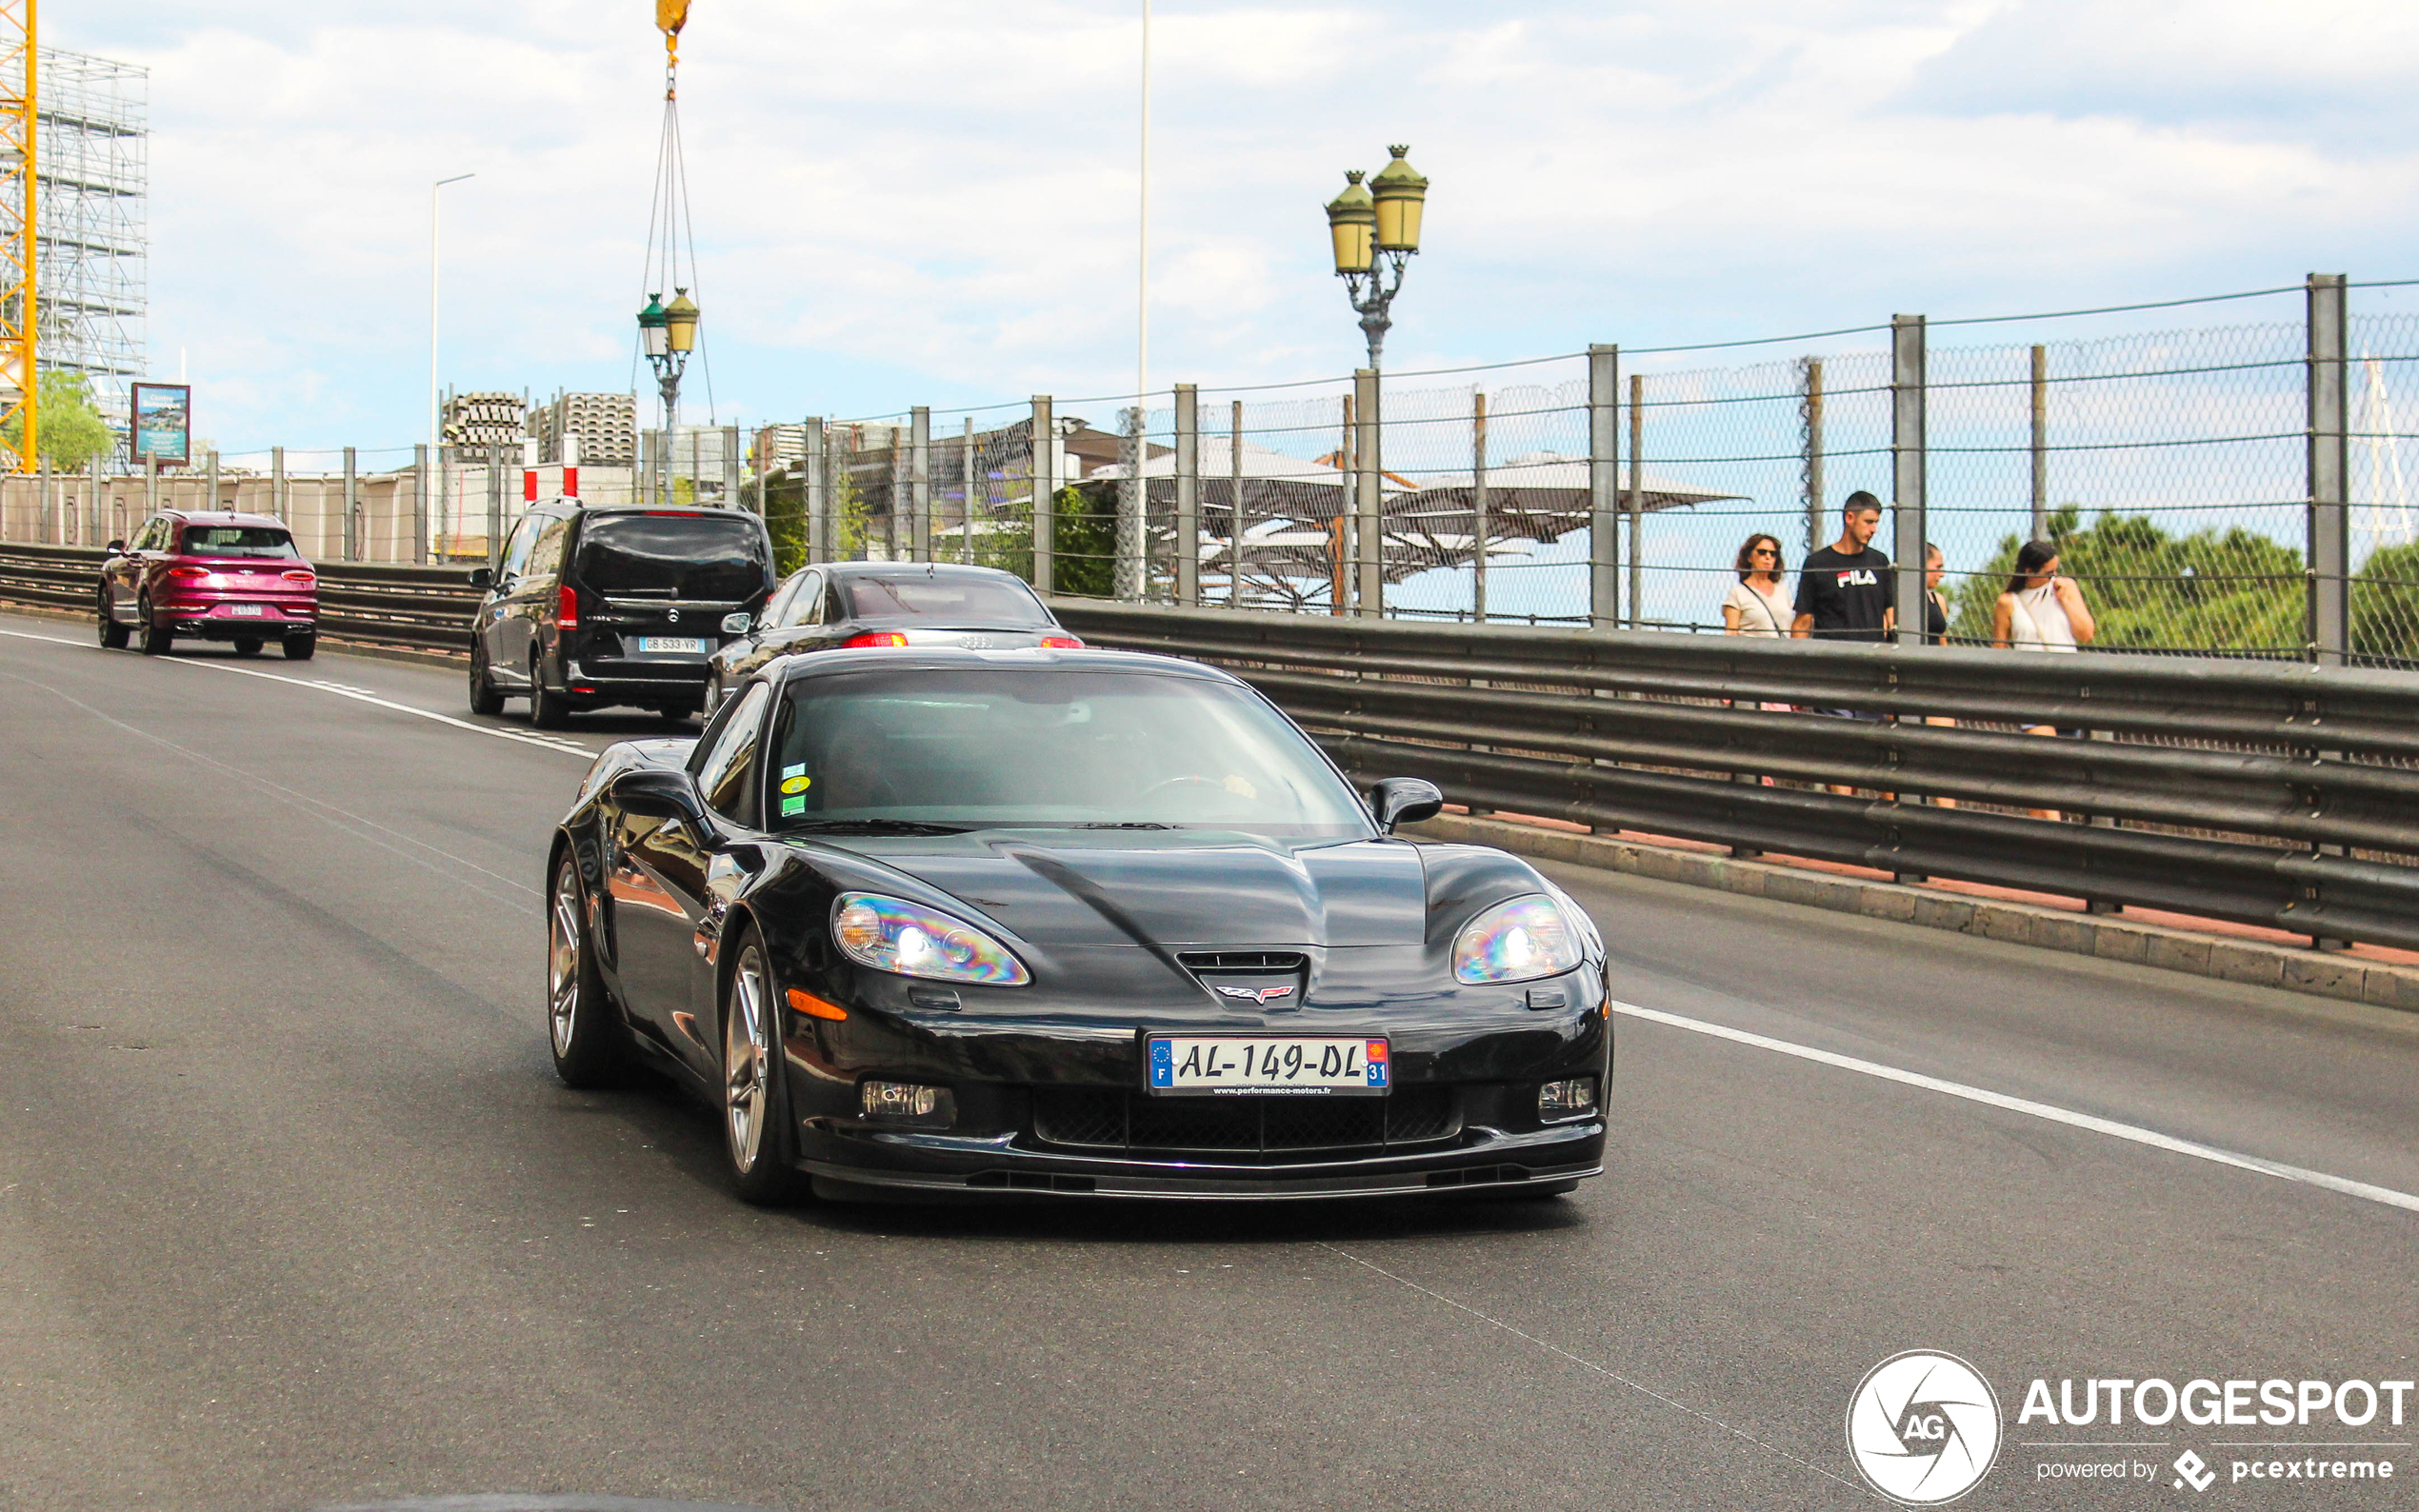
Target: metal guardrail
column 2296, row 786
column 2288, row 767
column 423, row 607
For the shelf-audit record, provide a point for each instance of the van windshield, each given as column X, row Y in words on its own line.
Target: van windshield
column 237, row 539
column 714, row 557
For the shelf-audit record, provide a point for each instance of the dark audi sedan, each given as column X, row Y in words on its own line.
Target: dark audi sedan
column 951, row 922
column 848, row 605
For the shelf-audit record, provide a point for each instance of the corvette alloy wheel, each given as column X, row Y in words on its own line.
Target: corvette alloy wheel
column 563, row 959
column 747, row 1059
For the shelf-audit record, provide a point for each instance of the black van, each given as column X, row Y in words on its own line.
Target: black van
column 599, row 605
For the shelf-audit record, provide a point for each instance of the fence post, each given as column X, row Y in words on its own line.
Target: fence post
column 1478, row 506
column 2040, row 443
column 1129, row 575
column 1235, row 507
column 1907, row 472
column 920, row 483
column 278, row 484
column 730, row 494
column 93, row 536
column 1604, row 486
column 1044, row 473
column 1368, row 448
column 420, row 502
column 495, row 505
column 352, row 512
column 1810, row 416
column 1187, row 495
column 1637, row 500
column 150, row 484
column 1342, row 538
column 2329, row 542
column 210, row 474
column 965, row 460
column 818, row 481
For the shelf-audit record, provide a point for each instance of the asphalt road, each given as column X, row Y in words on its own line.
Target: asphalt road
column 293, row 1213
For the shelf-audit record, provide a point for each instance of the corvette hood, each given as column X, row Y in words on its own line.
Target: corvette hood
column 1184, row 890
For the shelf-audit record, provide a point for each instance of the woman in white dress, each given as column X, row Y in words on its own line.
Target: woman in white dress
column 2042, row 612
column 1755, row 605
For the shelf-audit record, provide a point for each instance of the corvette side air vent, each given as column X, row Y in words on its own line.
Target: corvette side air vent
column 1270, row 961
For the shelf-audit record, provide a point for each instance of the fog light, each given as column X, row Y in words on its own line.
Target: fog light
column 1575, row 1098
column 908, row 1102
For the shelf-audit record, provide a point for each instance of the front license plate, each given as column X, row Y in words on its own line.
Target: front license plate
column 1213, row 1065
column 669, row 645
column 247, row 609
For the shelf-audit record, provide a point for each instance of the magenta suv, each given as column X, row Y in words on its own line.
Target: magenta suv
column 213, row 575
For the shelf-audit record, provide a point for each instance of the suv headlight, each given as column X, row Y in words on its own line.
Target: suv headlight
column 1518, row 941
column 890, row 934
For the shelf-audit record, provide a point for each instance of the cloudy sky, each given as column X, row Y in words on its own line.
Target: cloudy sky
column 936, row 202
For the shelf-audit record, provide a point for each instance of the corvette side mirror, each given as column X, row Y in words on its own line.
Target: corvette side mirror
column 1405, row 801
column 658, row 793
column 481, row 577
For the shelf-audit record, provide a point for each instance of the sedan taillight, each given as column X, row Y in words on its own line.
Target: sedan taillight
column 189, row 572
column 874, row 638
column 305, row 579
column 1061, row 643
column 567, row 607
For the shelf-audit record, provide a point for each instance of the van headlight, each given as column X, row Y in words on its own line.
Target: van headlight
column 1518, row 941
column 890, row 934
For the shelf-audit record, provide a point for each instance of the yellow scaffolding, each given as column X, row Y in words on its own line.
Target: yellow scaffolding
column 20, row 395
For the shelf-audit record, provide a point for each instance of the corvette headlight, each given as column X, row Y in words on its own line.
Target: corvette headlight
column 891, row 935
column 1516, row 941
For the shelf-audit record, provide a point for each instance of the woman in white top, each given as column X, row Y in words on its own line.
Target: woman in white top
column 1755, row 605
column 2041, row 611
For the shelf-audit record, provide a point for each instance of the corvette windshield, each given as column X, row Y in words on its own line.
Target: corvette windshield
column 1009, row 746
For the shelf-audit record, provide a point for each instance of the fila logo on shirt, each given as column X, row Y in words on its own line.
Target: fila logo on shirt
column 1859, row 577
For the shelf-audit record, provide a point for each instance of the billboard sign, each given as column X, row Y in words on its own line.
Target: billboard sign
column 164, row 424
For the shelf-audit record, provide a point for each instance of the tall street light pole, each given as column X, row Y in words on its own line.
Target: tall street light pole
column 435, row 441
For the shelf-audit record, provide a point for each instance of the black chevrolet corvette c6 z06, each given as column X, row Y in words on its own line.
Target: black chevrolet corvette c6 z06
column 958, row 922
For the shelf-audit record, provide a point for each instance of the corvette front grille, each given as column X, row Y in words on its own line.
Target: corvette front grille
column 1244, row 1126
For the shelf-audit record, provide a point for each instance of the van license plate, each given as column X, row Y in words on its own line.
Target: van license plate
column 669, row 645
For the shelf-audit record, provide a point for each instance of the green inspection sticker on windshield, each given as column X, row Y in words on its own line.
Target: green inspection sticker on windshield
column 792, row 806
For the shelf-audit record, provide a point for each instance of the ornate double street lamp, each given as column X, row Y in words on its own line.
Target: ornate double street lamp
column 1375, row 227
column 669, row 334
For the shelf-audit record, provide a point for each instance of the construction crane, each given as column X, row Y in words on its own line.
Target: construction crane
column 19, row 393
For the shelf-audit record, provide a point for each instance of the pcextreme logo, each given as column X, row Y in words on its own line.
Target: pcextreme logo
column 1923, row 1427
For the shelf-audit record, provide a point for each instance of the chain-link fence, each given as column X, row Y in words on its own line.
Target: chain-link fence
column 2234, row 489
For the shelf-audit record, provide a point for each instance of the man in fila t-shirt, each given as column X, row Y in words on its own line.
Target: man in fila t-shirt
column 1845, row 590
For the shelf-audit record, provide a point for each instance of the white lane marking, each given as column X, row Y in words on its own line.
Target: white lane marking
column 341, row 690
column 2040, row 1110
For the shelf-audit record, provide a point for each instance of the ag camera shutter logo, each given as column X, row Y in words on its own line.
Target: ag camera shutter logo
column 1923, row 1427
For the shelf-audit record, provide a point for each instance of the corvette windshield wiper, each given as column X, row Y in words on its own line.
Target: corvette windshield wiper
column 876, row 826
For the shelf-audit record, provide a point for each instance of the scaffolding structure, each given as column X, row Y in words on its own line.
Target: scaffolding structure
column 92, row 164
column 19, row 396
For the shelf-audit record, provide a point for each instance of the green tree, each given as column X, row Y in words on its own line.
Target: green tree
column 2230, row 589
column 71, row 432
column 2385, row 604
